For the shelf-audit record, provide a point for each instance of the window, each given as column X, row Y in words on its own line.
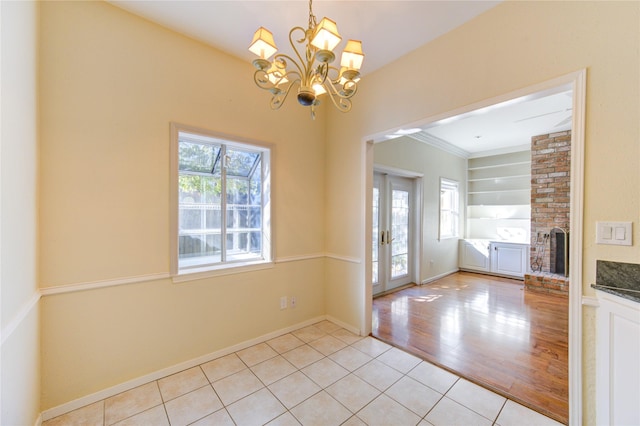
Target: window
column 220, row 202
column 449, row 208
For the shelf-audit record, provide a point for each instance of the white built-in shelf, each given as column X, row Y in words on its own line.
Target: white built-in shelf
column 501, row 177
column 498, row 191
column 497, row 166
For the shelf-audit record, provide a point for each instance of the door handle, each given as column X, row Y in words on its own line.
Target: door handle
column 388, row 240
column 381, row 238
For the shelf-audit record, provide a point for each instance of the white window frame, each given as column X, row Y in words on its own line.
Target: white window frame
column 180, row 274
column 453, row 187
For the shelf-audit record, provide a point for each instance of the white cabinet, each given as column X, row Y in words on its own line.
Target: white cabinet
column 617, row 366
column 509, row 259
column 474, row 255
column 499, row 258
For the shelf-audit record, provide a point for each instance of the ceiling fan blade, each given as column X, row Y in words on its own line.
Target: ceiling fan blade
column 537, row 116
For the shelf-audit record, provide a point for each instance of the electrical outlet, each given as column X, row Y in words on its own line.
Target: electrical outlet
column 283, row 302
column 293, row 301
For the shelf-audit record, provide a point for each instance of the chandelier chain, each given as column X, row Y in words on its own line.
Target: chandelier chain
column 312, row 18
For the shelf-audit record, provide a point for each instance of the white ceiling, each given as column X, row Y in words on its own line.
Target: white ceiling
column 388, row 30
column 504, row 127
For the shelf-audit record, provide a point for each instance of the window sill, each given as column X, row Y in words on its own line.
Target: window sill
column 218, row 271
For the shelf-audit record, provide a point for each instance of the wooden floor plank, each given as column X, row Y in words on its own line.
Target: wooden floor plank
column 488, row 330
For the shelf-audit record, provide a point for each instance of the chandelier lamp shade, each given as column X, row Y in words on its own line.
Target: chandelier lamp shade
column 311, row 71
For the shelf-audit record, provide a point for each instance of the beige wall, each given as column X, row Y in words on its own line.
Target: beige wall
column 515, row 45
column 20, row 316
column 439, row 257
column 110, row 84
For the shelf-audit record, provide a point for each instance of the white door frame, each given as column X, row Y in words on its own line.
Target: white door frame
column 577, row 82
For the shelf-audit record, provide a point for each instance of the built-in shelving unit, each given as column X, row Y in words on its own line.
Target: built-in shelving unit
column 500, row 179
column 499, row 196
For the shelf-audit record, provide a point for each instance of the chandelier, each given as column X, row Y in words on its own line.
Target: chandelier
column 312, row 72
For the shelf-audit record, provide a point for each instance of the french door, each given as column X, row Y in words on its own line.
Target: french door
column 393, row 199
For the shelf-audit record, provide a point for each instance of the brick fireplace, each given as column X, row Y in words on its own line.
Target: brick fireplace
column 550, row 213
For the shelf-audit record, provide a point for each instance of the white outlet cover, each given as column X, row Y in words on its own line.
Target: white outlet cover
column 614, row 233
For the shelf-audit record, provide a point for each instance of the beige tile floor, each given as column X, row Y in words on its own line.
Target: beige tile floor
column 318, row 375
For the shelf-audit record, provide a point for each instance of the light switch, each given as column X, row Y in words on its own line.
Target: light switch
column 614, row 233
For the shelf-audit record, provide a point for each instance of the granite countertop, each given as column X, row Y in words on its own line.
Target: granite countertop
column 620, row 279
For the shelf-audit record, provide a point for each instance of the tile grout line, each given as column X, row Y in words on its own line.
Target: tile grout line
column 353, row 341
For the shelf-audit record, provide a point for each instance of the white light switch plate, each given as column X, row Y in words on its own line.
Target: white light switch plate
column 614, row 233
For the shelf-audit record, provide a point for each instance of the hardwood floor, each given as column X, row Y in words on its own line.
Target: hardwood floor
column 488, row 330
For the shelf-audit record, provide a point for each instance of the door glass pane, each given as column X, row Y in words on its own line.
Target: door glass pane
column 400, row 233
column 376, row 234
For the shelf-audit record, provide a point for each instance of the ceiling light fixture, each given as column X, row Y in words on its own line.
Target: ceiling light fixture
column 312, row 73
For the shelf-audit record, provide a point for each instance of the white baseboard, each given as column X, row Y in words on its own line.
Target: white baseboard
column 437, row 277
column 344, row 325
column 122, row 387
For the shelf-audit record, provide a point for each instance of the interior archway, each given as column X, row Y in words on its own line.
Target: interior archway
column 577, row 83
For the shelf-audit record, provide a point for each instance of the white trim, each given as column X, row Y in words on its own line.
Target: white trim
column 344, row 258
column 346, row 326
column 499, row 151
column 441, row 144
column 38, row 420
column 92, row 285
column 15, row 322
column 579, row 82
column 381, row 168
column 299, row 258
column 437, row 277
column 224, row 270
column 156, row 375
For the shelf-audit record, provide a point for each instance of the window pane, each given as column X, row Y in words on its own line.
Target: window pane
column 199, row 218
column 400, row 233
column 197, row 157
column 239, row 162
column 449, row 204
column 376, row 235
column 243, row 219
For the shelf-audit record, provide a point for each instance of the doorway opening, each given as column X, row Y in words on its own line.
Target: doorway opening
column 576, row 82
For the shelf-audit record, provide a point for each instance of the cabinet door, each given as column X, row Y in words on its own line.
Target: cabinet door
column 474, row 255
column 617, row 367
column 508, row 259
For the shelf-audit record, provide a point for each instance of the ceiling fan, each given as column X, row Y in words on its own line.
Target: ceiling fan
column 563, row 122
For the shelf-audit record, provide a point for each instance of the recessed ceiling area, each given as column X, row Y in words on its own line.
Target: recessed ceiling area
column 504, row 127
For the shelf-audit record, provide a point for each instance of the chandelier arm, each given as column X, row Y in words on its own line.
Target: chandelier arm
column 286, row 59
column 348, row 88
column 343, row 103
column 278, row 98
column 304, row 69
